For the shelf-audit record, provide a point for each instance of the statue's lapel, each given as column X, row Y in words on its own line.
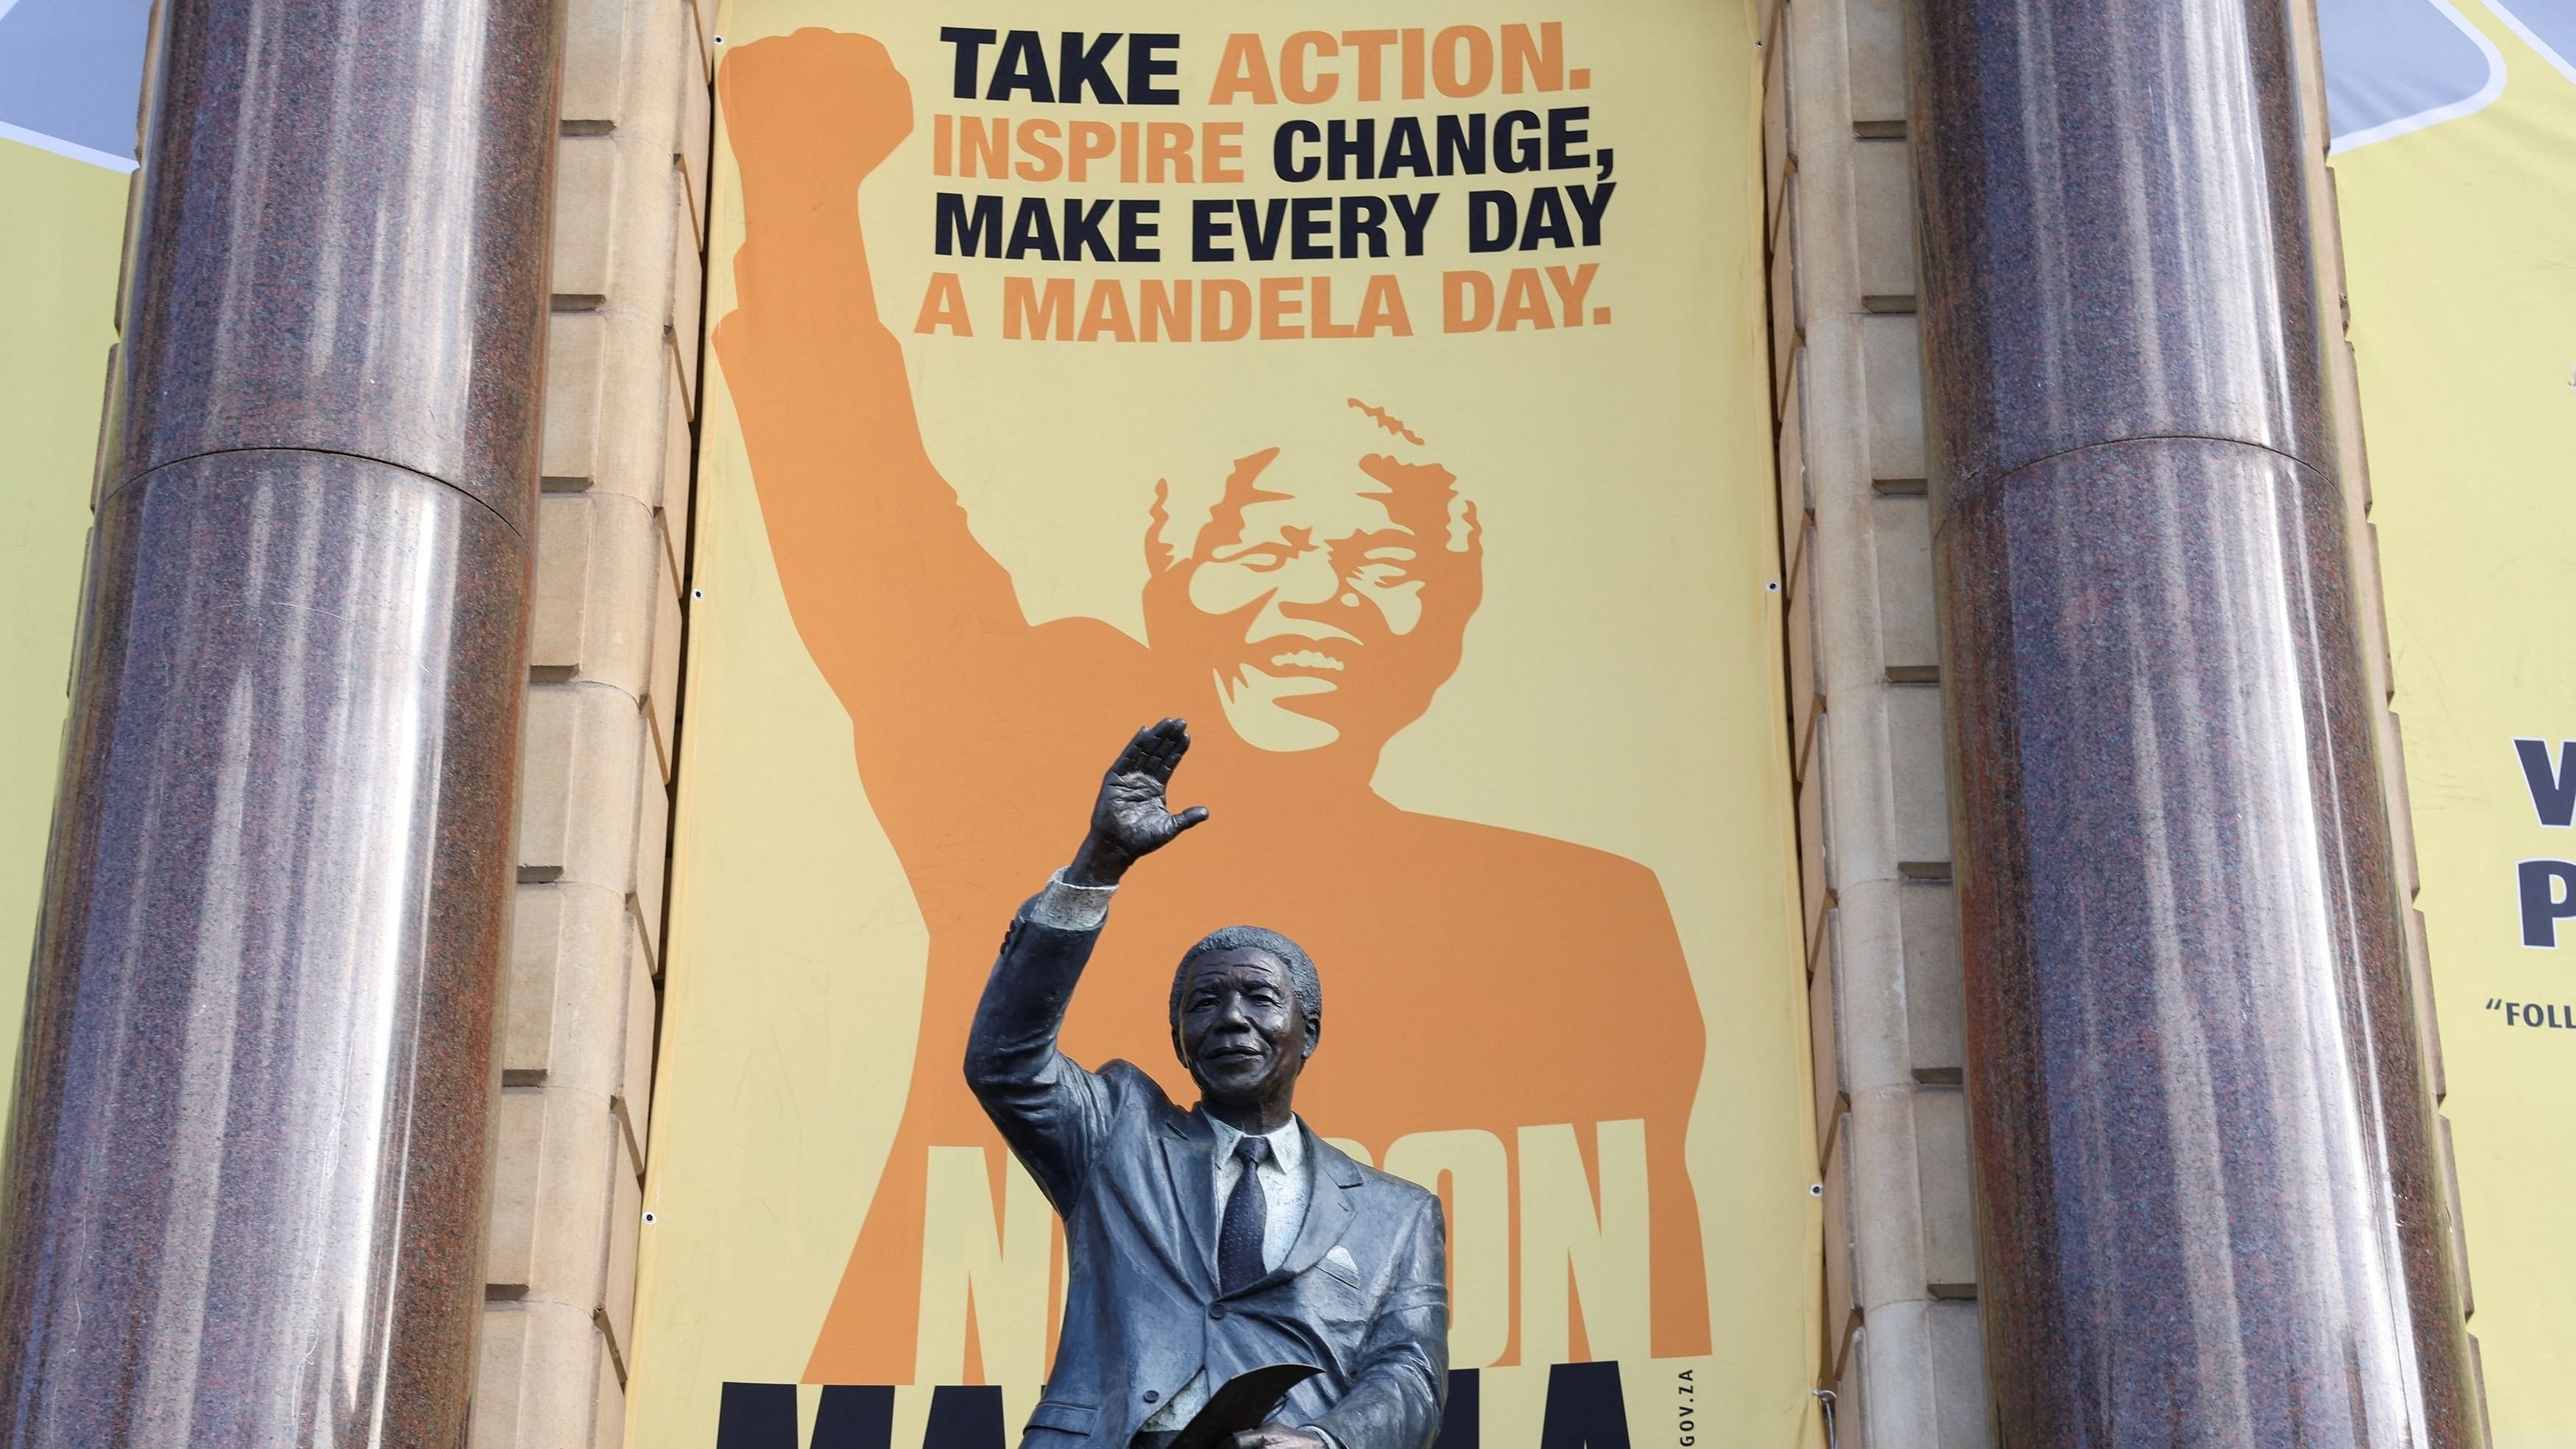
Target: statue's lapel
column 1328, row 1206
column 1189, row 1153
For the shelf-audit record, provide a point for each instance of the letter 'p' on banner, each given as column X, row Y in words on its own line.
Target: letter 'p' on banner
column 1389, row 397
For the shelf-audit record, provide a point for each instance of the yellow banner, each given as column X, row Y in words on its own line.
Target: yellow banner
column 58, row 253
column 2454, row 127
column 1388, row 399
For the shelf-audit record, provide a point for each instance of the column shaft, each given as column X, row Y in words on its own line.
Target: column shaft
column 2210, row 1207
column 245, row 1173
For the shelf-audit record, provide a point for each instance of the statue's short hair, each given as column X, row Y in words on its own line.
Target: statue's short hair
column 1303, row 983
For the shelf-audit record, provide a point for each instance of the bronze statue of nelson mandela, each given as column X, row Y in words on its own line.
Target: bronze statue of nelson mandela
column 1209, row 1242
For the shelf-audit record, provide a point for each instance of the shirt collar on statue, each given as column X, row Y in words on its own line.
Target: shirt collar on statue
column 1287, row 1145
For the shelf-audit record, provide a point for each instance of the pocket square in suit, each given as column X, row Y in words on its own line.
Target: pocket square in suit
column 1338, row 1261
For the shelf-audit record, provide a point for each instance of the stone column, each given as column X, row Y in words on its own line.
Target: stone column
column 2210, row 1207
column 246, row 1164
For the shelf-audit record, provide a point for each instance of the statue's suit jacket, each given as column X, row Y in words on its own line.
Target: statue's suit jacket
column 1362, row 1293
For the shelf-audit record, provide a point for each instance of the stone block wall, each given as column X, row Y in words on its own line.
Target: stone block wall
column 583, row 980
column 1901, row 1352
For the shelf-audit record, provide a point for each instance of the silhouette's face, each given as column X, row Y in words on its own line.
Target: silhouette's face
column 1329, row 604
column 1242, row 1034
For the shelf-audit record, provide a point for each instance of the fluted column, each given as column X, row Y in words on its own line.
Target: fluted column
column 247, row 1158
column 2210, row 1208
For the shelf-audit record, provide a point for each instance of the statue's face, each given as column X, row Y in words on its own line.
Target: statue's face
column 1242, row 1034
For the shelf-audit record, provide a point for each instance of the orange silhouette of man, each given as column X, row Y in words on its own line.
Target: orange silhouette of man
column 1482, row 977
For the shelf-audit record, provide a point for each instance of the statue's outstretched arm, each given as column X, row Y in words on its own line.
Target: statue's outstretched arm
column 1052, row 1111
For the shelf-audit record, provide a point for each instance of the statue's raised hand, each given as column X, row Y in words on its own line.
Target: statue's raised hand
column 1129, row 819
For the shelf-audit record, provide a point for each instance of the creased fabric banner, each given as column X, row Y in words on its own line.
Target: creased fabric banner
column 2455, row 160
column 1391, row 401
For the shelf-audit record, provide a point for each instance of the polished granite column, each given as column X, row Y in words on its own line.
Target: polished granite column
column 2210, row 1213
column 245, row 1170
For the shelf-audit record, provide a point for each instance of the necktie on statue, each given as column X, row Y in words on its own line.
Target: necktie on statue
column 1247, row 1215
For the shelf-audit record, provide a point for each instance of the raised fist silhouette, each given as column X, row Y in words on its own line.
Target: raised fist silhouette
column 822, row 104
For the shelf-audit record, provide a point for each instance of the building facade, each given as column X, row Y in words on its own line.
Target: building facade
column 1856, row 566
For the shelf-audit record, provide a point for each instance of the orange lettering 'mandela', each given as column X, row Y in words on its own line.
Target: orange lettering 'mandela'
column 1207, row 309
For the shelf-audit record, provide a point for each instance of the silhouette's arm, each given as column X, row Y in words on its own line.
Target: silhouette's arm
column 878, row 562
